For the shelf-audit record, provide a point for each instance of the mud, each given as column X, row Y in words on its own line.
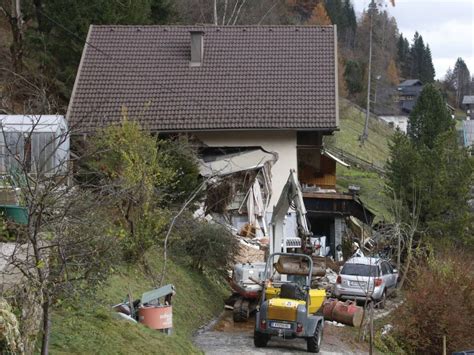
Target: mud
column 226, row 337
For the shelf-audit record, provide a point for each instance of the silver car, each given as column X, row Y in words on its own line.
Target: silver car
column 364, row 278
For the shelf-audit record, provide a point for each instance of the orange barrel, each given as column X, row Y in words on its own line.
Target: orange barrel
column 328, row 308
column 156, row 317
column 348, row 313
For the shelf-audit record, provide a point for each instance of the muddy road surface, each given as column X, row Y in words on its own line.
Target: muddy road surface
column 225, row 337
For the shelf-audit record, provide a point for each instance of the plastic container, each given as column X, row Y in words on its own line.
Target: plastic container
column 156, row 317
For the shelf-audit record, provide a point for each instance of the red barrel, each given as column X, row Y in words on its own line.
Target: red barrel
column 348, row 313
column 328, row 308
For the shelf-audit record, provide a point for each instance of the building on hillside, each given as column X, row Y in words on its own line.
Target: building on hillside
column 404, row 99
column 256, row 100
column 408, row 92
column 468, row 104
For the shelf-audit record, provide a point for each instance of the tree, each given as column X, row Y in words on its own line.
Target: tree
column 12, row 13
column 341, row 13
column 319, row 16
column 232, row 12
column 428, row 169
column 403, row 56
column 62, row 26
column 392, row 73
column 427, row 73
column 421, row 62
column 429, row 118
column 461, row 80
column 130, row 171
column 64, row 244
column 353, row 74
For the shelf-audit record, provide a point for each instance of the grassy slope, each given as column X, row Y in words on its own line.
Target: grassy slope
column 374, row 150
column 92, row 330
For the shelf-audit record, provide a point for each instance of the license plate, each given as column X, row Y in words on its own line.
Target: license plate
column 357, row 283
column 281, row 325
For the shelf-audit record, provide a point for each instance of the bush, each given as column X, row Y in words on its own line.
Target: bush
column 207, row 247
column 439, row 302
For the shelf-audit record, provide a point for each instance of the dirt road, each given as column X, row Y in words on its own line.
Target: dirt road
column 225, row 337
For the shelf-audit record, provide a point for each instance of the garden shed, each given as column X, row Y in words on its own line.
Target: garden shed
column 38, row 144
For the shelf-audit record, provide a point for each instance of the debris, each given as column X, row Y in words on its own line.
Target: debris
column 334, row 323
column 387, row 328
column 331, row 276
column 149, row 310
column 123, row 316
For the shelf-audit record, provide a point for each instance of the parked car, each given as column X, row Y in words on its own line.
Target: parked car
column 363, row 277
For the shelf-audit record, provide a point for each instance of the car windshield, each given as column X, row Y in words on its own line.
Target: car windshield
column 359, row 270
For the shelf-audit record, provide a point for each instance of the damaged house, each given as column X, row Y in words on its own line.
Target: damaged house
column 257, row 100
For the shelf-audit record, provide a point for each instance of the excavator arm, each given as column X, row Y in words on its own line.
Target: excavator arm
column 291, row 197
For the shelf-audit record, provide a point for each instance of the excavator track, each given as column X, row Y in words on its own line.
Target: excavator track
column 241, row 310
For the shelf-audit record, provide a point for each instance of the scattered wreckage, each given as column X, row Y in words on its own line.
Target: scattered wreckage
column 153, row 309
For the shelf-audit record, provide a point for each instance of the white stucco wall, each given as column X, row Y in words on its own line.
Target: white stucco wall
column 281, row 142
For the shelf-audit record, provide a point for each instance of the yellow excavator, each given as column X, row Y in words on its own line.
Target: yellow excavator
column 288, row 305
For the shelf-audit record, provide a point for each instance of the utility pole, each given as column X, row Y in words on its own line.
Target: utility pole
column 365, row 134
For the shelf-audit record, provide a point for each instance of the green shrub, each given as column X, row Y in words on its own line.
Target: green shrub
column 207, row 247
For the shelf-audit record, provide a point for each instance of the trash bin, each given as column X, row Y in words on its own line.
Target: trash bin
column 156, row 317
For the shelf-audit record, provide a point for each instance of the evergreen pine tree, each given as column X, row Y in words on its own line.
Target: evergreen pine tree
column 429, row 118
column 427, row 73
column 417, row 54
column 428, row 169
column 403, row 56
column 462, row 80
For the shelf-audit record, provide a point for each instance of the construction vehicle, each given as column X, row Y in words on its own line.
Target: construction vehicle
column 247, row 278
column 288, row 308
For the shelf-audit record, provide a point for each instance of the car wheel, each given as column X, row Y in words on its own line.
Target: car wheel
column 314, row 343
column 260, row 340
column 383, row 300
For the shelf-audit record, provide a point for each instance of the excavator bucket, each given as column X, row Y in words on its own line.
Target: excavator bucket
column 296, row 265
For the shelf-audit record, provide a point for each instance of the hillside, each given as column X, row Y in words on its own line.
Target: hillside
column 88, row 326
column 374, row 152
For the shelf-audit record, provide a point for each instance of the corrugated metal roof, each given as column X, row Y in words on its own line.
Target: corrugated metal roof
column 468, row 100
column 468, row 132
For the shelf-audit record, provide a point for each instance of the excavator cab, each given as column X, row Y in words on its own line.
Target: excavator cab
column 288, row 306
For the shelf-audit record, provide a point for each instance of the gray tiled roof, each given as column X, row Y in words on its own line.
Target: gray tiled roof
column 468, row 100
column 280, row 77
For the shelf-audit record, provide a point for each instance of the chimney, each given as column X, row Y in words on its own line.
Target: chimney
column 197, row 48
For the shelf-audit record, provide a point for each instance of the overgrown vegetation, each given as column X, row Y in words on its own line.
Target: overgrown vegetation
column 126, row 192
column 438, row 302
column 206, row 247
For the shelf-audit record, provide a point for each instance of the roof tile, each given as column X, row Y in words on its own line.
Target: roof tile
column 259, row 77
